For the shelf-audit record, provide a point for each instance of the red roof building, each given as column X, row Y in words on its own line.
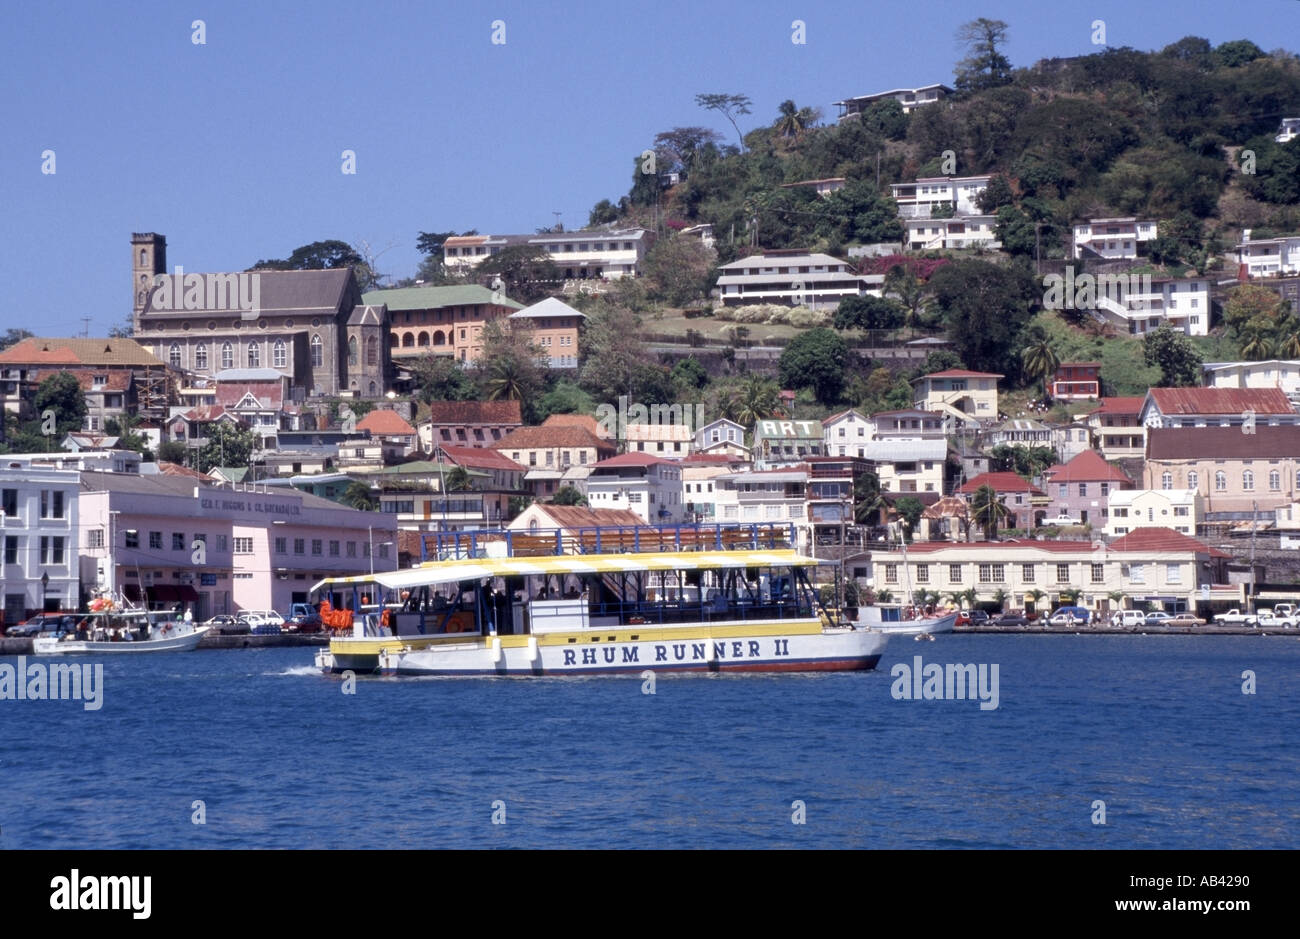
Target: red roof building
column 1206, row 407
column 1076, row 381
column 1013, row 491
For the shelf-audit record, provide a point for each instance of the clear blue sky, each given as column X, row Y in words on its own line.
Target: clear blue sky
column 232, row 149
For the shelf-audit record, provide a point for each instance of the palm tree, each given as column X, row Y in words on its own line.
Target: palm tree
column 505, row 380
column 970, row 596
column 755, row 399
column 868, row 500
column 458, row 480
column 987, row 511
column 1000, row 598
column 1257, row 347
column 1070, row 596
column 358, row 496
column 1116, row 597
column 1033, row 596
column 794, row 121
column 955, row 597
column 884, row 596
column 1289, row 346
column 909, row 291
column 1040, row 360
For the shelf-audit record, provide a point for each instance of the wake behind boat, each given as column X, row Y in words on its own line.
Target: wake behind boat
column 122, row 631
column 701, row 598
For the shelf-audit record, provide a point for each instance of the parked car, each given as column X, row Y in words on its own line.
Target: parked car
column 43, row 623
column 1276, row 619
column 1121, row 618
column 1157, row 618
column 1236, row 617
column 227, row 625
column 263, row 617
column 1070, row 616
column 979, row 617
column 1184, row 619
column 1009, row 619
column 304, row 623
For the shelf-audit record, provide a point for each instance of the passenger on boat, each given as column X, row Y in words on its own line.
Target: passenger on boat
column 571, row 593
column 439, row 601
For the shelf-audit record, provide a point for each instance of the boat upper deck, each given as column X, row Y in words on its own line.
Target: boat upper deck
column 454, row 545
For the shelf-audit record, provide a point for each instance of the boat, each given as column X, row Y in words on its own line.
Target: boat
column 690, row 598
column 905, row 621
column 117, row 630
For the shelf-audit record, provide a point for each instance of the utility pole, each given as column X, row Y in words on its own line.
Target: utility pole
column 1254, row 508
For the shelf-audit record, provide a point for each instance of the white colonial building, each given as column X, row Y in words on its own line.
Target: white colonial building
column 795, row 278
column 909, row 98
column 1129, row 509
column 1143, row 304
column 921, row 198
column 1111, row 238
column 949, row 234
column 647, row 485
column 580, row 255
column 1269, row 257
column 38, row 529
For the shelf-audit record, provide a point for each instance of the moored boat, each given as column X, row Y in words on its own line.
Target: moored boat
column 903, row 621
column 122, row 631
column 725, row 599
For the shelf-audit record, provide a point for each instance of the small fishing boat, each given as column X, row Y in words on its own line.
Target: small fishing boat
column 114, row 629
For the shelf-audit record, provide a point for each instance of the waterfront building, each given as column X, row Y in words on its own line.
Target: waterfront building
column 39, row 522
column 1130, row 509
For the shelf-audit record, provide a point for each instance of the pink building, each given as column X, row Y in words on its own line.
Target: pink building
column 176, row 540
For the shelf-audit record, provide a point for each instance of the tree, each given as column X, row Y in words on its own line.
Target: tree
column 690, row 375
column 523, row 272
column 984, row 306
column 173, row 451
column 986, row 66
column 1040, row 360
column 995, row 195
column 903, row 283
column 567, row 495
column 816, row 359
column 679, row 269
column 458, row 479
column 603, row 212
column 756, row 399
column 678, row 147
column 13, row 337
column 442, row 378
column 616, row 362
column 124, row 430
column 228, row 445
column 60, row 393
column 729, row 106
column 1238, row 52
column 321, row 256
column 885, row 118
column 794, row 121
column 510, row 364
column 868, row 500
column 868, row 312
column 940, row 360
column 359, row 496
column 909, row 509
column 1175, row 355
column 987, row 511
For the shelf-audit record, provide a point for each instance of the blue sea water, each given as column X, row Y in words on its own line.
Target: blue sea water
column 1156, row 727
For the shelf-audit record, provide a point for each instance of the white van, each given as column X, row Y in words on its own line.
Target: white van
column 1122, row 618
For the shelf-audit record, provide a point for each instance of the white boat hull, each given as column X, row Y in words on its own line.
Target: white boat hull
column 912, row 627
column 184, row 642
column 825, row 650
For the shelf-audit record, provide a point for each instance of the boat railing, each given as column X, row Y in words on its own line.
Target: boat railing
column 487, row 543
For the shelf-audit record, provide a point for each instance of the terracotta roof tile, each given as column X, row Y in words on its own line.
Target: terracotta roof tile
column 88, row 352
column 1088, row 466
column 532, row 438
column 475, row 412
column 1118, row 406
column 479, row 458
column 1148, row 540
column 1220, row 400
column 1001, row 482
column 386, row 423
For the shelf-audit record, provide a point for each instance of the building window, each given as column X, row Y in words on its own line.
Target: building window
column 1098, row 573
column 201, row 357
column 372, row 351
column 243, row 545
column 352, row 351
column 11, row 503
column 317, row 352
column 281, row 545
column 178, row 541
column 1063, row 573
column 155, row 541
column 1027, row 573
column 254, row 355
column 1274, row 480
column 352, row 549
column 174, row 355
column 279, row 354
column 891, row 573
column 1193, row 479
column 923, row 573
column 1220, row 481
column 51, row 503
column 1247, row 480
column 1137, row 574
column 1062, row 490
column 1083, row 489
column 1173, row 573
column 1166, row 480
column 317, row 546
column 299, row 546
column 334, row 549
column 11, row 549
column 227, row 355
column 954, row 573
column 986, row 573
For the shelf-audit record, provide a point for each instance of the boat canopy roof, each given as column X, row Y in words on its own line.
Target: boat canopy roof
column 450, row 572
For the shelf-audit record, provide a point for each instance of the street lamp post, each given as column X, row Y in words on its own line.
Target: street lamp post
column 45, row 590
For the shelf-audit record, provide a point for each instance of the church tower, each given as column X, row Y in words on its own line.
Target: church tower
column 148, row 258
